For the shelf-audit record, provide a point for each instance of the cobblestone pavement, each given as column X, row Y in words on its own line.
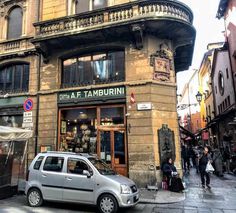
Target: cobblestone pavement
column 220, row 199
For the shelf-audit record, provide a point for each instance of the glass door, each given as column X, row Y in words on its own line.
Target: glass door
column 113, row 149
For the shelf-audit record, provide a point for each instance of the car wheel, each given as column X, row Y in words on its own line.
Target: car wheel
column 107, row 204
column 34, row 197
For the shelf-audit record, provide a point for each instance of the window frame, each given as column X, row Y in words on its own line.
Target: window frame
column 59, row 158
column 24, row 83
column 16, row 34
column 112, row 77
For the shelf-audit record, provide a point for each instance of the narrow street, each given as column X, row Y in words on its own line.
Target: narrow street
column 220, row 199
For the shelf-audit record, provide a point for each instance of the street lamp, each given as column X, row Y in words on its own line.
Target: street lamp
column 199, row 97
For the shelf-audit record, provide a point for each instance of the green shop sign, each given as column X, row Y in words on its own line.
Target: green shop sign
column 92, row 94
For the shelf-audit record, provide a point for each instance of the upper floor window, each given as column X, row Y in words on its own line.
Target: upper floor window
column 95, row 68
column 14, row 78
column 221, row 83
column 87, row 5
column 14, row 29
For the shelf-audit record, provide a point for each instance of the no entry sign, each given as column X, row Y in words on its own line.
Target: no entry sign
column 28, row 105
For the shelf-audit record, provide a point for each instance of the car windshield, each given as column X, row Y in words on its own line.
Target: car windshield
column 102, row 167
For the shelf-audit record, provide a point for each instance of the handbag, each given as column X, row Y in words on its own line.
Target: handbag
column 209, row 168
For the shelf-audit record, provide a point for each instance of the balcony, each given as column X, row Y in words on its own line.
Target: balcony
column 164, row 18
column 16, row 48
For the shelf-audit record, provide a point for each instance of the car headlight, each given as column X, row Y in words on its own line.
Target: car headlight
column 125, row 189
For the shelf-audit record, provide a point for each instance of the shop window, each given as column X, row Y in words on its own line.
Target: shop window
column 11, row 120
column 14, row 78
column 93, row 69
column 112, row 116
column 14, row 29
column 79, row 130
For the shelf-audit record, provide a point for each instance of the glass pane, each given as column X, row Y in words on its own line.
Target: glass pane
column 11, row 120
column 54, row 164
column 76, row 166
column 100, row 67
column 17, row 77
column 119, row 147
column 25, row 83
column 9, row 72
column 85, row 71
column 82, row 6
column 2, row 78
column 105, row 146
column 15, row 23
column 116, row 65
column 69, row 71
column 97, row 4
column 112, row 116
column 79, row 130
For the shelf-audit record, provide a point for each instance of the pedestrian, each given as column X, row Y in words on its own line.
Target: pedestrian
column 203, row 160
column 173, row 180
column 186, row 158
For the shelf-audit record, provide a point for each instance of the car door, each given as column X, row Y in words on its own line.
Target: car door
column 78, row 186
column 52, row 178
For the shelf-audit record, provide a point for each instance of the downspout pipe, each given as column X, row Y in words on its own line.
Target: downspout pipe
column 38, row 87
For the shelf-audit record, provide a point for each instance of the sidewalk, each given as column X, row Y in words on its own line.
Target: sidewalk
column 223, row 188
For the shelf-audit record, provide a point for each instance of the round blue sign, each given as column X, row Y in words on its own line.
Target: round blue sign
column 28, row 105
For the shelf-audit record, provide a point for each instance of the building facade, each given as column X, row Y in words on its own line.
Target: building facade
column 106, row 80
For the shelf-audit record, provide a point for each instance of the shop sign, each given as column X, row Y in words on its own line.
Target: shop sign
column 100, row 93
column 144, row 106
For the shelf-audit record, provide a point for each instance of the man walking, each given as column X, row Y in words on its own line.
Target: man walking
column 205, row 177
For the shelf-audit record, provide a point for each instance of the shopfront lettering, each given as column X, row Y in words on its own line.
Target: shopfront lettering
column 114, row 92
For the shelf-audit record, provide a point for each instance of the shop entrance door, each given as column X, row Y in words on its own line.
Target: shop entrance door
column 112, row 149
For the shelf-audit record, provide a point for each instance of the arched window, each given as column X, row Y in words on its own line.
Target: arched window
column 14, row 29
column 14, row 78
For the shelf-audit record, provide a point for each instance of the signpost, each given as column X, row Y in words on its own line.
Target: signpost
column 28, row 115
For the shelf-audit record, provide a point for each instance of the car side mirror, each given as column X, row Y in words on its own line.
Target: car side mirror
column 87, row 173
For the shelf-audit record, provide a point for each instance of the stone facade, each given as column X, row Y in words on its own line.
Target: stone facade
column 152, row 58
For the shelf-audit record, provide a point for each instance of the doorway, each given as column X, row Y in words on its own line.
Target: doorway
column 112, row 148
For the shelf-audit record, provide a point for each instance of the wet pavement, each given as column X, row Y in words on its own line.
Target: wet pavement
column 220, row 199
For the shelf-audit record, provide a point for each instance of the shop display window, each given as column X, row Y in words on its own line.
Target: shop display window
column 112, row 116
column 11, row 120
column 79, row 130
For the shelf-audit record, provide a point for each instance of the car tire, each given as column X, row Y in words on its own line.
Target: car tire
column 34, row 197
column 107, row 204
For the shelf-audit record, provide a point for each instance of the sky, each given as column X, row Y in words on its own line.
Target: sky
column 209, row 30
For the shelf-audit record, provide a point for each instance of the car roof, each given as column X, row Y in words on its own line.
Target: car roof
column 70, row 154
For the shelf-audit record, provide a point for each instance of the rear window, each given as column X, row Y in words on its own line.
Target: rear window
column 54, row 164
column 38, row 162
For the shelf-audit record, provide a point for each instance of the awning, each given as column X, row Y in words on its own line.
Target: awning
column 16, row 134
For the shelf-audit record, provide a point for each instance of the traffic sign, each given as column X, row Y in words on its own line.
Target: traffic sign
column 28, row 105
column 26, row 125
column 28, row 114
column 27, row 119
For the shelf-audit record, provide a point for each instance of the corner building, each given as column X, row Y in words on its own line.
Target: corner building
column 107, row 80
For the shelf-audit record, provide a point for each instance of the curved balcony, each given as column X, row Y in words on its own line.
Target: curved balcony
column 163, row 18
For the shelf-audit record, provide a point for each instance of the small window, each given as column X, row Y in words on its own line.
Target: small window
column 221, row 83
column 229, row 100
column 76, row 166
column 54, row 164
column 38, row 163
column 216, row 89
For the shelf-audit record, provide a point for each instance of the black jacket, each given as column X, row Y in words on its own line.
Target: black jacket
column 203, row 162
